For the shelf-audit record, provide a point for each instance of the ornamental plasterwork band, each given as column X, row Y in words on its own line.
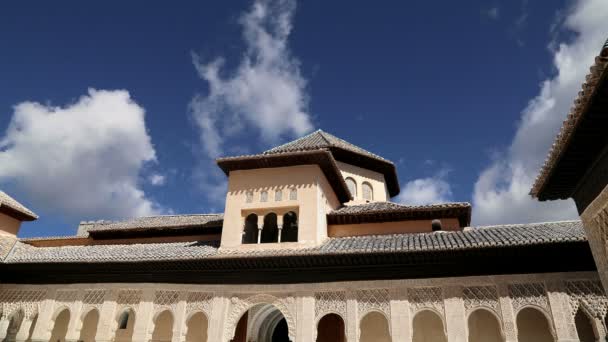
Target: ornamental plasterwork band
column 241, row 303
column 481, row 297
column 529, row 294
column 426, row 298
column 165, row 300
column 198, row 301
column 589, row 295
column 26, row 300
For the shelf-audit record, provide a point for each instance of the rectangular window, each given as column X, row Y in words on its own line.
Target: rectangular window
column 293, row 194
column 278, row 195
column 264, row 196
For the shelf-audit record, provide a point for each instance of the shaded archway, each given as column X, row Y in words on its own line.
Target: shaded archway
column 270, row 231
column 374, row 328
column 584, row 327
column 331, row 329
column 14, row 325
column 484, row 327
column 60, row 326
column 250, row 234
column 197, row 327
column 428, row 327
column 290, row 227
column 262, row 323
column 125, row 322
column 533, row 326
column 163, row 327
column 89, row 326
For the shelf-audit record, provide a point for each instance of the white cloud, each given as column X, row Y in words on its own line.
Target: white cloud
column 501, row 191
column 82, row 160
column 426, row 190
column 157, row 179
column 265, row 94
column 264, row 97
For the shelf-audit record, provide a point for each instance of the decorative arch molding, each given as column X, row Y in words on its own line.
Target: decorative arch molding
column 434, row 312
column 501, row 325
column 590, row 295
column 329, row 302
column 427, row 298
column 199, row 301
column 544, row 311
column 26, row 300
column 526, row 294
column 240, row 305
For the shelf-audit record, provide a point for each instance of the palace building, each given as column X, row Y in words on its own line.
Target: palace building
column 309, row 248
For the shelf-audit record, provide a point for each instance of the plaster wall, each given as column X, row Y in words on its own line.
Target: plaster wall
column 9, row 225
column 416, row 226
column 360, row 175
column 310, row 205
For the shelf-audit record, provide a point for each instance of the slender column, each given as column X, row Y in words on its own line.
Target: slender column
column 305, row 318
column 455, row 315
column 352, row 317
column 24, row 329
column 507, row 313
column 401, row 322
column 179, row 323
column 42, row 330
column 260, row 227
column 142, row 330
column 4, row 323
column 560, row 313
column 107, row 318
column 217, row 319
column 599, row 329
column 75, row 323
column 280, row 226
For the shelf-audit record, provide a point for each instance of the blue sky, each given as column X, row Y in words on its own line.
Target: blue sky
column 465, row 97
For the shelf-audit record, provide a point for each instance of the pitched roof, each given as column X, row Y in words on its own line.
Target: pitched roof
column 518, row 235
column 320, row 140
column 389, row 211
column 571, row 131
column 151, row 223
column 11, row 207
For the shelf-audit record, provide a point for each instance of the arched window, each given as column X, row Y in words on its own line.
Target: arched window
column 60, row 329
column 278, row 195
column 484, row 327
column 163, row 327
column 293, row 194
column 197, row 328
column 264, row 196
column 290, row 227
column 331, row 329
column 428, row 326
column 249, row 197
column 89, row 326
column 374, row 328
column 270, row 231
column 250, row 233
column 533, row 326
column 123, row 320
column 368, row 191
column 352, row 186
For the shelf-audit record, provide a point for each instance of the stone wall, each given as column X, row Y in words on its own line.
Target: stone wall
column 31, row 311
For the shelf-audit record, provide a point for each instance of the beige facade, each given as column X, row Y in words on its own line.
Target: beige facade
column 362, row 177
column 487, row 308
column 9, row 225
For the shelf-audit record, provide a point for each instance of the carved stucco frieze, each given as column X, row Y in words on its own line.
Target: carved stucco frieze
column 165, row 300
column 330, row 302
column 526, row 294
column 28, row 301
column 481, row 297
column 199, row 301
column 128, row 298
column 66, row 298
column 241, row 303
column 426, row 298
column 588, row 294
column 373, row 300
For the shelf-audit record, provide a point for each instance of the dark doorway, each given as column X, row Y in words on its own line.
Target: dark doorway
column 281, row 332
column 331, row 329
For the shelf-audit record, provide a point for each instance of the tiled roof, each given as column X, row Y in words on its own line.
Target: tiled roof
column 320, row 140
column 389, row 211
column 477, row 238
column 13, row 205
column 573, row 121
column 161, row 221
column 378, row 207
column 6, row 244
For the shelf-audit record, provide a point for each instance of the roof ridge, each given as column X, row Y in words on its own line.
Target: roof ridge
column 525, row 224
